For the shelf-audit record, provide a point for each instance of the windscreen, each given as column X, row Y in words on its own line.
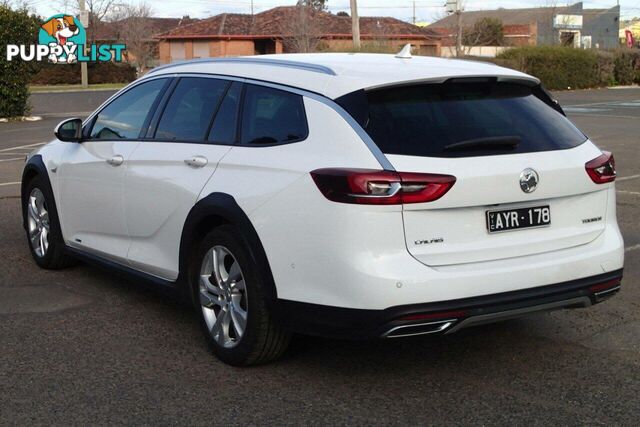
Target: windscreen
column 463, row 119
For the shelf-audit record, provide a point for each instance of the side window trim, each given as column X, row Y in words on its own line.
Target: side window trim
column 87, row 129
column 154, row 107
column 153, row 124
column 205, row 137
column 240, row 117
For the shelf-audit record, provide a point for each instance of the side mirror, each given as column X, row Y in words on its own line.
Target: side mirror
column 69, row 130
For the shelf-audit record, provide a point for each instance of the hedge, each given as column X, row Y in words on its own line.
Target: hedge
column 14, row 75
column 568, row 68
column 99, row 72
column 627, row 66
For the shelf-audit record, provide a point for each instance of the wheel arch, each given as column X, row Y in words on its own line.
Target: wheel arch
column 35, row 168
column 212, row 211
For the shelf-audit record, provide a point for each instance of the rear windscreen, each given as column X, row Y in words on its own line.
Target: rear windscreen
column 466, row 119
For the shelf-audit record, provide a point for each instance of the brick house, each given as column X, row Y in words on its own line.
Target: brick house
column 571, row 25
column 271, row 31
column 114, row 32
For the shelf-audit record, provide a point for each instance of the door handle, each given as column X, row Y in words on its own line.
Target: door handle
column 116, row 160
column 197, row 161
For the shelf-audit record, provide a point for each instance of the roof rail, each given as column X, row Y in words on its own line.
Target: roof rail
column 316, row 68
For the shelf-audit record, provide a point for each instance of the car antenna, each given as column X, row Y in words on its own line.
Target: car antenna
column 405, row 52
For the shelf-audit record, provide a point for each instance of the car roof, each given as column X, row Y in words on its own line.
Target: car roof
column 336, row 74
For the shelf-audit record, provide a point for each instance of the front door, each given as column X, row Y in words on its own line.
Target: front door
column 92, row 174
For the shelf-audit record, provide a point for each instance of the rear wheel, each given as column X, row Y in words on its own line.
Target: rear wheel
column 232, row 302
column 43, row 229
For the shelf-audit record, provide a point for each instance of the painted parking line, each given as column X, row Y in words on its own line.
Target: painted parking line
column 609, row 116
column 4, row 184
column 65, row 115
column 632, row 248
column 626, row 178
column 634, row 103
column 15, row 159
column 635, row 193
column 21, row 146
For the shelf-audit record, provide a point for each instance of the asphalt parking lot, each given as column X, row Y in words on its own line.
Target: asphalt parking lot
column 82, row 346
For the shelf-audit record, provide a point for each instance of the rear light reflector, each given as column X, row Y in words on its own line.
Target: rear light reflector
column 377, row 187
column 602, row 169
column 604, row 286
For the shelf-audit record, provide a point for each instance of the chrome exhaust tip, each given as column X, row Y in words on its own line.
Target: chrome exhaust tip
column 419, row 329
column 608, row 293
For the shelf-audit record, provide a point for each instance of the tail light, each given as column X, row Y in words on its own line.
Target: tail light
column 375, row 187
column 602, row 169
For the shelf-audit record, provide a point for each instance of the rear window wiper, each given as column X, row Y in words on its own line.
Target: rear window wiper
column 489, row 142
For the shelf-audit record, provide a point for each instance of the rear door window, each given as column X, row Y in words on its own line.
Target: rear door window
column 190, row 109
column 271, row 116
column 466, row 119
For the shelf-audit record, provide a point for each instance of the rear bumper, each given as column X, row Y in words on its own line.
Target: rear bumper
column 443, row 316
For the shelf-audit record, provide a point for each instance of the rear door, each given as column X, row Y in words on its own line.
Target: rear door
column 521, row 184
column 193, row 130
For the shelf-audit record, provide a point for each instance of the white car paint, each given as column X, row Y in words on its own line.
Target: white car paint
column 341, row 255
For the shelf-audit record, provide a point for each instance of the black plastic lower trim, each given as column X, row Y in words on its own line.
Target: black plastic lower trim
column 338, row 322
column 124, row 271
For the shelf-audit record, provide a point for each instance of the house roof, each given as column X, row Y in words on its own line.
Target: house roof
column 112, row 30
column 336, row 74
column 507, row 16
column 277, row 22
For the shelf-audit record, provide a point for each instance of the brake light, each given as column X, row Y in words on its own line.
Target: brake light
column 376, row 187
column 602, row 169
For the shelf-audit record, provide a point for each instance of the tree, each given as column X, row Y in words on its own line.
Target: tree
column 99, row 11
column 301, row 35
column 316, row 4
column 15, row 74
column 485, row 32
column 135, row 30
column 342, row 13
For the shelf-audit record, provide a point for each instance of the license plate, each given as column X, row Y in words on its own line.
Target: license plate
column 516, row 219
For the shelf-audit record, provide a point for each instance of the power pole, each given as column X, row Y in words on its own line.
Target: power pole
column 355, row 24
column 414, row 12
column 84, row 75
column 252, row 7
column 458, row 13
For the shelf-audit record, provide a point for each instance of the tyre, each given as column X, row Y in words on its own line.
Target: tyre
column 231, row 298
column 44, row 235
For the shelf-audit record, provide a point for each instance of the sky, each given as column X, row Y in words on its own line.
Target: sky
column 425, row 10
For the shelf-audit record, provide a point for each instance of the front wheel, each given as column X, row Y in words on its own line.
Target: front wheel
column 232, row 302
column 43, row 228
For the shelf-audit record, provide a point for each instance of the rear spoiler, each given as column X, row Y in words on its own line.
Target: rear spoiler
column 357, row 104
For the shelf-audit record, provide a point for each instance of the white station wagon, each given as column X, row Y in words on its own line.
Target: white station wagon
column 342, row 195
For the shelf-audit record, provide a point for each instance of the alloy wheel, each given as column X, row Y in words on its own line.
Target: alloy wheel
column 223, row 296
column 38, row 222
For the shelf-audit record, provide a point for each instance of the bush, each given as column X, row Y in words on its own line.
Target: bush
column 99, row 72
column 560, row 67
column 627, row 66
column 606, row 67
column 14, row 75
